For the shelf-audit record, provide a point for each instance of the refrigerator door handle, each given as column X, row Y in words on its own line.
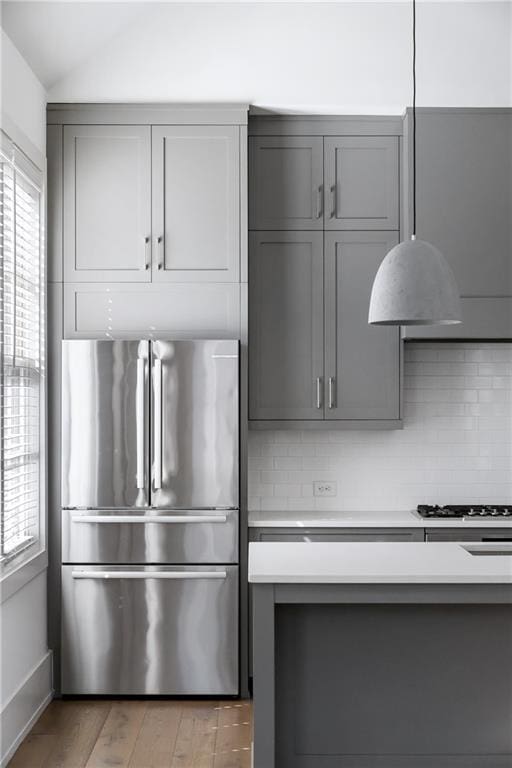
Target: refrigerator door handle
column 176, row 575
column 157, row 426
column 139, row 416
column 148, row 519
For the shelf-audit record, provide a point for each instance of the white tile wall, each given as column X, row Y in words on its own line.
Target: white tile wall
column 456, row 445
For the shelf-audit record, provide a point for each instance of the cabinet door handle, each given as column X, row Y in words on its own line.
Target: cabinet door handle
column 160, row 242
column 139, row 419
column 176, row 575
column 319, row 205
column 333, row 196
column 147, row 241
column 319, row 392
column 332, row 392
column 149, row 519
column 157, row 424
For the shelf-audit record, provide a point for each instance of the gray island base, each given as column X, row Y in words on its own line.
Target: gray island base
column 376, row 656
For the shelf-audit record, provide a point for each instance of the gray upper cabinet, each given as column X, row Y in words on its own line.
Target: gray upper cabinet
column 196, row 203
column 361, row 182
column 107, row 203
column 286, row 325
column 464, row 183
column 362, row 362
column 286, row 182
column 314, row 362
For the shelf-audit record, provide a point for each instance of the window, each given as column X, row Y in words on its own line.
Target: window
column 22, row 496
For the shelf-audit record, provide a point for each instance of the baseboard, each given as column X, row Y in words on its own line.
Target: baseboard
column 24, row 707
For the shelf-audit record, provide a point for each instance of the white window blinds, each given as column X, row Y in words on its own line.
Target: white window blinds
column 22, row 353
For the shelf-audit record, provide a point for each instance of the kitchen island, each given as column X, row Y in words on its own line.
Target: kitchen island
column 382, row 655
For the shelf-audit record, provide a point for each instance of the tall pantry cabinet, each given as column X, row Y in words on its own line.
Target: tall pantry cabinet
column 323, row 212
column 147, row 237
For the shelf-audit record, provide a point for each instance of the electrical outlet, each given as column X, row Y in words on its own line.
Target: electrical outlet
column 324, row 488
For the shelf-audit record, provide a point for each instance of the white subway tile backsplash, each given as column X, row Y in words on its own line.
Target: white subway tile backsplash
column 287, row 490
column 456, row 445
column 274, row 476
column 287, row 462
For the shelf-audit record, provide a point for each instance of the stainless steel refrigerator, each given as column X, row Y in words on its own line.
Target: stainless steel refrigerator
column 150, row 456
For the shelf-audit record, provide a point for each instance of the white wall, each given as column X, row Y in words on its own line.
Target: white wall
column 22, row 97
column 348, row 57
column 456, row 445
column 25, row 663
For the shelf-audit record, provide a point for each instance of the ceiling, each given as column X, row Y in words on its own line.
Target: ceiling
column 57, row 37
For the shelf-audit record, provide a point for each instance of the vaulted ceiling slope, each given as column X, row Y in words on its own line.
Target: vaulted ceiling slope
column 56, row 37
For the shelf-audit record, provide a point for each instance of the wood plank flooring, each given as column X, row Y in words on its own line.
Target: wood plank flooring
column 139, row 734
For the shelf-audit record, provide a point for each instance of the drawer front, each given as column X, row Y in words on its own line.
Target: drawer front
column 152, row 536
column 488, row 535
column 150, row 630
column 349, row 536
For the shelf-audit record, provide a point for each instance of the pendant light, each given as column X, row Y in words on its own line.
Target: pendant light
column 414, row 285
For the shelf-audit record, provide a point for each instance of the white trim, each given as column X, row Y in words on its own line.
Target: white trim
column 30, row 164
column 35, row 689
column 142, row 113
column 13, row 580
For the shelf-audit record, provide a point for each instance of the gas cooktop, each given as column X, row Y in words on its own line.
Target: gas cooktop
column 465, row 510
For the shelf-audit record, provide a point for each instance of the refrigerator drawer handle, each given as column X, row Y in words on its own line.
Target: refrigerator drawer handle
column 171, row 575
column 139, row 417
column 148, row 519
column 157, row 482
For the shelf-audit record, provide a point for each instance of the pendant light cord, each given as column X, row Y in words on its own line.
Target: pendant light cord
column 414, row 119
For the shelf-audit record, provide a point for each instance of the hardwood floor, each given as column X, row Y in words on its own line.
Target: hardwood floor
column 139, row 734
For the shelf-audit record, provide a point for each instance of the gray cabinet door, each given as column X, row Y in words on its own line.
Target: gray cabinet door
column 286, row 182
column 362, row 362
column 286, row 325
column 344, row 535
column 485, row 535
column 107, row 203
column 464, row 179
column 361, row 182
column 196, row 203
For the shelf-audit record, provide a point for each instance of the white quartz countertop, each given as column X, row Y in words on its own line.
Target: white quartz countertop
column 406, row 519
column 378, row 563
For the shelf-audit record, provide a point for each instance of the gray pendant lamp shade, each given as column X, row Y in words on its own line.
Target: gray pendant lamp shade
column 414, row 284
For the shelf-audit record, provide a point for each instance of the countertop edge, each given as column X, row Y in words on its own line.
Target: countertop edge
column 401, row 519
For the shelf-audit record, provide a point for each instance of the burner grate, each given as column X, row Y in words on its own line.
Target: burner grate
column 465, row 510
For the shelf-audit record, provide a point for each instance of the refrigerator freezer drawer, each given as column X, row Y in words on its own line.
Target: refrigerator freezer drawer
column 149, row 536
column 150, row 630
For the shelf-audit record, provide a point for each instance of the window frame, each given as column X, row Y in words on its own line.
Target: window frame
column 24, row 565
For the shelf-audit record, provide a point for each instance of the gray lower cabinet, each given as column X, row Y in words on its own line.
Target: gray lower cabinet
column 286, row 182
column 332, row 535
column 361, row 182
column 336, row 534
column 485, row 535
column 362, row 361
column 196, row 203
column 107, row 202
column 286, row 356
